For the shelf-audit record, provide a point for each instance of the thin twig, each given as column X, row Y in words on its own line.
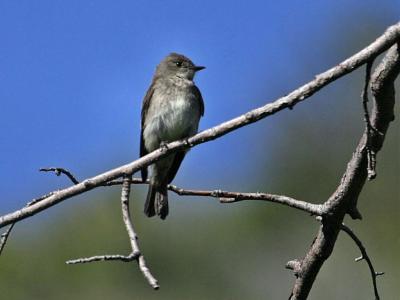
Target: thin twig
column 364, row 256
column 126, row 187
column 59, row 171
column 135, row 253
column 125, row 258
column 231, row 197
column 4, row 237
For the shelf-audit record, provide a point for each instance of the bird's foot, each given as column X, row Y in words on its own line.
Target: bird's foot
column 163, row 146
column 188, row 143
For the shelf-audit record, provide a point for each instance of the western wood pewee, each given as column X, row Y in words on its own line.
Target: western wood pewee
column 171, row 110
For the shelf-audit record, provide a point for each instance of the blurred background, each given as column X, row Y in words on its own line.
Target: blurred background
column 72, row 78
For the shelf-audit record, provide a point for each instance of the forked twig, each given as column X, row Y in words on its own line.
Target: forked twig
column 135, row 253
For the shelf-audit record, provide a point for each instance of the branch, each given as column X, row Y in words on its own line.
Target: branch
column 135, row 253
column 365, row 256
column 59, row 171
column 390, row 36
column 6, row 234
column 223, row 196
column 231, row 197
column 344, row 199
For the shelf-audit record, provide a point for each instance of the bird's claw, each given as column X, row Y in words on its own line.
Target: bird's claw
column 163, row 146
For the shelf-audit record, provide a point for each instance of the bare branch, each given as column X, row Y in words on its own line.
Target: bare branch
column 344, row 199
column 6, row 234
column 223, row 196
column 58, row 172
column 126, row 186
column 231, row 197
column 390, row 36
column 365, row 256
column 135, row 253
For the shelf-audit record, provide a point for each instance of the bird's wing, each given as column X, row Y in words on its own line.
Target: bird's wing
column 145, row 107
column 179, row 156
column 199, row 98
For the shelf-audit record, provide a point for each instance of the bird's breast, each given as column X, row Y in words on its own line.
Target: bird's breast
column 175, row 116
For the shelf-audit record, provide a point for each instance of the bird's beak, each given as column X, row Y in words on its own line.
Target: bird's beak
column 198, row 68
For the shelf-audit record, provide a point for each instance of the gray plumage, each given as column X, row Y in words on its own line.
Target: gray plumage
column 171, row 111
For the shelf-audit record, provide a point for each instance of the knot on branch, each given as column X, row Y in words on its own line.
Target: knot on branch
column 88, row 183
column 187, row 143
column 295, row 266
column 249, row 116
column 216, row 193
column 164, row 147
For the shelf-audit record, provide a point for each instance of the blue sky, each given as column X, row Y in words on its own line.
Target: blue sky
column 73, row 74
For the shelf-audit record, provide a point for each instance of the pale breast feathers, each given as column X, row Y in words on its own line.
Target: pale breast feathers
column 174, row 116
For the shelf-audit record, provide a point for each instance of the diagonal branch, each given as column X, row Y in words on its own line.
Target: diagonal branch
column 58, row 172
column 385, row 41
column 353, row 180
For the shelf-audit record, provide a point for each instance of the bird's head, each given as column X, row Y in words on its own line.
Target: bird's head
column 177, row 65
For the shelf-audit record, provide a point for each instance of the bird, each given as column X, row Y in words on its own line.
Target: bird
column 171, row 110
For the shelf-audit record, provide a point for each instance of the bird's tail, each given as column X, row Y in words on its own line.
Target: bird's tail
column 156, row 201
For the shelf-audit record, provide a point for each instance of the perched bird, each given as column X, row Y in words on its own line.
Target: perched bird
column 171, row 110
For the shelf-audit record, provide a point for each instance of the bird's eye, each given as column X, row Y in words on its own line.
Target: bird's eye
column 178, row 64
